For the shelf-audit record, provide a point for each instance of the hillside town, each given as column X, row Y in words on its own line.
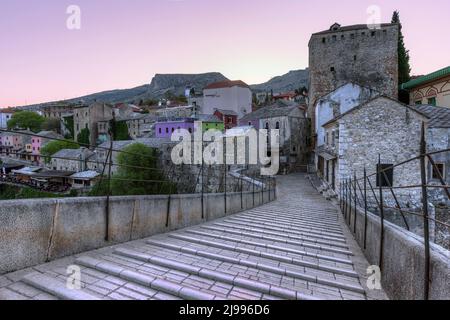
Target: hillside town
column 357, row 116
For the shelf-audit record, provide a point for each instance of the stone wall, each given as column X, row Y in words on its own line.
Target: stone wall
column 363, row 56
column 33, row 232
column 387, row 128
column 403, row 263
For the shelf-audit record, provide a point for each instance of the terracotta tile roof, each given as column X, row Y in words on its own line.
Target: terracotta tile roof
column 227, row 84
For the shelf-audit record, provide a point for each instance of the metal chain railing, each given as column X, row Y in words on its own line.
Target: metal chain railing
column 349, row 204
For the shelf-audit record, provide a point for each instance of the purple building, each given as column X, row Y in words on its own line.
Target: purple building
column 165, row 129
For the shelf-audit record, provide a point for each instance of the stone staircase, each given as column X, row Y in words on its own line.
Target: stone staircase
column 294, row 248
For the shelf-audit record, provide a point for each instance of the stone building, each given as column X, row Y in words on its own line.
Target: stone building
column 438, row 139
column 432, row 89
column 57, row 110
column 381, row 126
column 229, row 118
column 293, row 125
column 336, row 103
column 356, row 54
column 75, row 160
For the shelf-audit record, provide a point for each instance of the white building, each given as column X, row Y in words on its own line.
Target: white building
column 229, row 95
column 5, row 116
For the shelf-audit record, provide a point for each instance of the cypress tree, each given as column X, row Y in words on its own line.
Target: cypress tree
column 404, row 68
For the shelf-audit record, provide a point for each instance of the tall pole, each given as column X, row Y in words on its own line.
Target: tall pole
column 380, row 185
column 426, row 231
column 365, row 208
column 356, row 211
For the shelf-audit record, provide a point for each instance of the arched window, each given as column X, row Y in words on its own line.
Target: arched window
column 277, row 125
column 267, row 126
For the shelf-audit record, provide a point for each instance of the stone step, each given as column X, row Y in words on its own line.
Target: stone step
column 271, row 256
column 249, row 228
column 56, row 288
column 278, row 239
column 313, row 212
column 155, row 283
column 286, row 233
column 261, row 266
column 270, row 246
column 283, row 228
column 217, row 276
column 298, row 217
column 301, row 221
column 293, row 226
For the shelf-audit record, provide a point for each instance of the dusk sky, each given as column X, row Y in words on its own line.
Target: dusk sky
column 123, row 43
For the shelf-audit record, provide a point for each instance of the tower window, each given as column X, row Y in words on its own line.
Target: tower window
column 323, row 40
column 373, row 33
column 354, row 58
column 332, row 69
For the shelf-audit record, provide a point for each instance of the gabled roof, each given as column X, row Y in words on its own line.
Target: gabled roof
column 425, row 79
column 370, row 101
column 74, row 154
column 227, row 112
column 439, row 116
column 280, row 108
column 208, row 118
column 85, row 175
column 227, row 84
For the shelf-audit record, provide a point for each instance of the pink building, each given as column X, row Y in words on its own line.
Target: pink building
column 165, row 129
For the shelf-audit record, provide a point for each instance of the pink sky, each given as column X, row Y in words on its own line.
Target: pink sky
column 123, row 43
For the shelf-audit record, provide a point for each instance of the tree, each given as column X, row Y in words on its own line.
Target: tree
column 69, row 123
column 54, row 146
column 84, row 137
column 404, row 67
column 120, row 130
column 52, row 124
column 136, row 172
column 26, row 120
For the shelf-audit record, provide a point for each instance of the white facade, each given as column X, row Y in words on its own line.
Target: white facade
column 338, row 102
column 237, row 99
column 4, row 118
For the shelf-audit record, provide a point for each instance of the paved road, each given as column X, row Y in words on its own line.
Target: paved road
column 297, row 247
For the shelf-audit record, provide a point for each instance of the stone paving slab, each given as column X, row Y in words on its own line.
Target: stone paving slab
column 297, row 247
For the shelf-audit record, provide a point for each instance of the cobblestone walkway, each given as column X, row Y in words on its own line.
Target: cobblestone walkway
column 294, row 248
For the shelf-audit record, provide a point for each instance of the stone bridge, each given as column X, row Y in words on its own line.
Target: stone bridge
column 297, row 247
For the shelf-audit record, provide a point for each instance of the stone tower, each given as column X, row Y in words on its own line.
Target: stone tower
column 357, row 54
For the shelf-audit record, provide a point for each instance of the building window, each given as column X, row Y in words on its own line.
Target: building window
column 418, row 102
column 432, row 101
column 324, row 40
column 438, row 171
column 167, row 130
column 388, row 171
column 267, row 126
column 332, row 69
column 277, row 126
column 160, row 131
column 249, row 123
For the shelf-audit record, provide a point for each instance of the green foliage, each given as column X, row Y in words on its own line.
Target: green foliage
column 54, row 146
column 133, row 181
column 70, row 125
column 120, row 131
column 52, row 124
column 404, row 67
column 26, row 120
column 13, row 193
column 84, row 137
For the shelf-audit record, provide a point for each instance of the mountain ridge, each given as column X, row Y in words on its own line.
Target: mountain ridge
column 175, row 84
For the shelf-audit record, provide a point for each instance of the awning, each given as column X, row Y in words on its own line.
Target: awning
column 327, row 156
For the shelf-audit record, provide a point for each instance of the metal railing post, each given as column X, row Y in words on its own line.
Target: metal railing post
column 242, row 196
column 365, row 208
column 356, row 198
column 349, row 217
column 225, row 191
column 202, row 190
column 426, row 233
column 380, row 185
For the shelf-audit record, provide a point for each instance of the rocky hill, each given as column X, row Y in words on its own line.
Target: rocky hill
column 175, row 84
column 289, row 82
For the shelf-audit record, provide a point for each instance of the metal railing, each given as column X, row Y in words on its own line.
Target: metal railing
column 167, row 183
column 357, row 193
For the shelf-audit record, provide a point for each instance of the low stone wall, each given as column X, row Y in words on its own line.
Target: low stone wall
column 33, row 232
column 403, row 259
